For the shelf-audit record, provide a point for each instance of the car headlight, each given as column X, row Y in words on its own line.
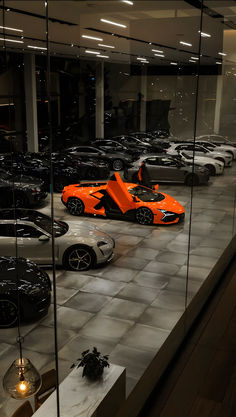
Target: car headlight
column 166, row 212
column 36, row 190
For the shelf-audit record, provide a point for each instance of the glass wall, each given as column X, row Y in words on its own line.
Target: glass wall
column 135, row 100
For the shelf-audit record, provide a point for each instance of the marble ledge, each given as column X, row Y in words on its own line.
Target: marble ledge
column 80, row 397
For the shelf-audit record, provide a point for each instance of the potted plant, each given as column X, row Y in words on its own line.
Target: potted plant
column 93, row 363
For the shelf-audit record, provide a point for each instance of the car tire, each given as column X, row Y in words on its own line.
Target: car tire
column 117, row 165
column 20, row 201
column 8, row 313
column 191, row 180
column 211, row 169
column 221, row 159
column 144, row 216
column 79, row 258
column 59, row 184
column 75, row 206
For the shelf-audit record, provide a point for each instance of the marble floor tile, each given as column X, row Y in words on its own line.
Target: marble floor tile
column 145, row 337
column 123, row 309
column 103, row 286
column 170, row 300
column 138, row 294
column 69, row 318
column 114, row 273
column 195, row 273
column 41, row 339
column 152, row 280
column 174, row 258
column 211, row 252
column 154, row 243
column 106, row 327
column 133, row 359
column 204, row 261
column 161, row 268
column 65, row 294
column 131, row 262
column 143, row 253
column 87, row 302
column 70, row 279
column 128, row 240
column 160, row 317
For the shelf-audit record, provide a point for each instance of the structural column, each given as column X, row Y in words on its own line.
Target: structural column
column 219, row 94
column 31, row 102
column 100, row 100
column 143, row 103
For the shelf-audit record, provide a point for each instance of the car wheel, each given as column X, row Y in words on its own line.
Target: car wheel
column 192, row 179
column 75, row 206
column 59, row 184
column 117, row 165
column 8, row 313
column 79, row 258
column 211, row 169
column 222, row 160
column 144, row 215
column 20, row 200
column 92, row 174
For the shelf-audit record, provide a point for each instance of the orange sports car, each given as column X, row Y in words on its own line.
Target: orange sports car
column 120, row 200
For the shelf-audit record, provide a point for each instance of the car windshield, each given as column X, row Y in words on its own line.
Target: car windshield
column 146, row 194
column 45, row 223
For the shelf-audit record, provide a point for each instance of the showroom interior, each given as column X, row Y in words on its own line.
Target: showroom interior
column 117, row 205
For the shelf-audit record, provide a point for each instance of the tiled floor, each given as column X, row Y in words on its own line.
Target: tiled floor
column 128, row 308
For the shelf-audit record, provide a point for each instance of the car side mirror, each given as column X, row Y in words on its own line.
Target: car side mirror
column 44, row 238
column 156, row 186
column 135, row 199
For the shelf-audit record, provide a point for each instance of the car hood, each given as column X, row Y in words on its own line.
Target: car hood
column 203, row 159
column 169, row 204
column 84, row 229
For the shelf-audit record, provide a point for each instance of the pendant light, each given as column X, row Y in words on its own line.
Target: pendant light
column 22, row 380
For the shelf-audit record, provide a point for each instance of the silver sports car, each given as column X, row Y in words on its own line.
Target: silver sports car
column 78, row 245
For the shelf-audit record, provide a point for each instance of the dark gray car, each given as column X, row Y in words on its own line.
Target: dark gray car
column 168, row 169
column 117, row 161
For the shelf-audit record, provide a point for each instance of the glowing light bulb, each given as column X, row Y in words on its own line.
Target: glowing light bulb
column 22, row 387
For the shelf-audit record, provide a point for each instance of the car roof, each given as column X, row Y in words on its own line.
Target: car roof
column 11, row 214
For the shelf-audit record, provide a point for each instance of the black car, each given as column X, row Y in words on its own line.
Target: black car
column 131, row 142
column 66, row 170
column 117, row 161
column 149, row 138
column 23, row 280
column 20, row 190
column 108, row 145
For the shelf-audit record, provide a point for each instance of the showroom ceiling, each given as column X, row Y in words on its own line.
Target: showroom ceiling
column 158, row 25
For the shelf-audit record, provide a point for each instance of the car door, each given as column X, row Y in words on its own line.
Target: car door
column 30, row 244
column 171, row 171
column 7, row 239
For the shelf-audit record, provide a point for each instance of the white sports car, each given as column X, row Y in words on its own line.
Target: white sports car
column 217, row 148
column 78, row 245
column 214, row 166
column 200, row 150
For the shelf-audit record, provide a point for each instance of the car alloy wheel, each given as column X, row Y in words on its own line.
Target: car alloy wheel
column 211, row 169
column 117, row 165
column 20, row 201
column 144, row 216
column 192, row 179
column 8, row 313
column 79, row 259
column 75, row 206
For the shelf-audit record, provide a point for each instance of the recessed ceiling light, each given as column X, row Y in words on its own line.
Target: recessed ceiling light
column 92, row 37
column 194, row 57
column 102, row 56
column 10, row 40
column 131, row 3
column 36, row 47
column 222, row 53
column 149, row 43
column 92, row 52
column 173, row 63
column 106, row 46
column 161, row 56
column 110, row 22
column 218, row 62
column 157, row 50
column 204, row 34
column 13, row 29
column 185, row 43
column 191, row 60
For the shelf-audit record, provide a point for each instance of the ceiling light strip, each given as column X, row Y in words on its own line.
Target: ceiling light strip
column 13, row 29
column 110, row 22
column 92, row 38
column 10, row 40
column 37, row 47
column 106, row 46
